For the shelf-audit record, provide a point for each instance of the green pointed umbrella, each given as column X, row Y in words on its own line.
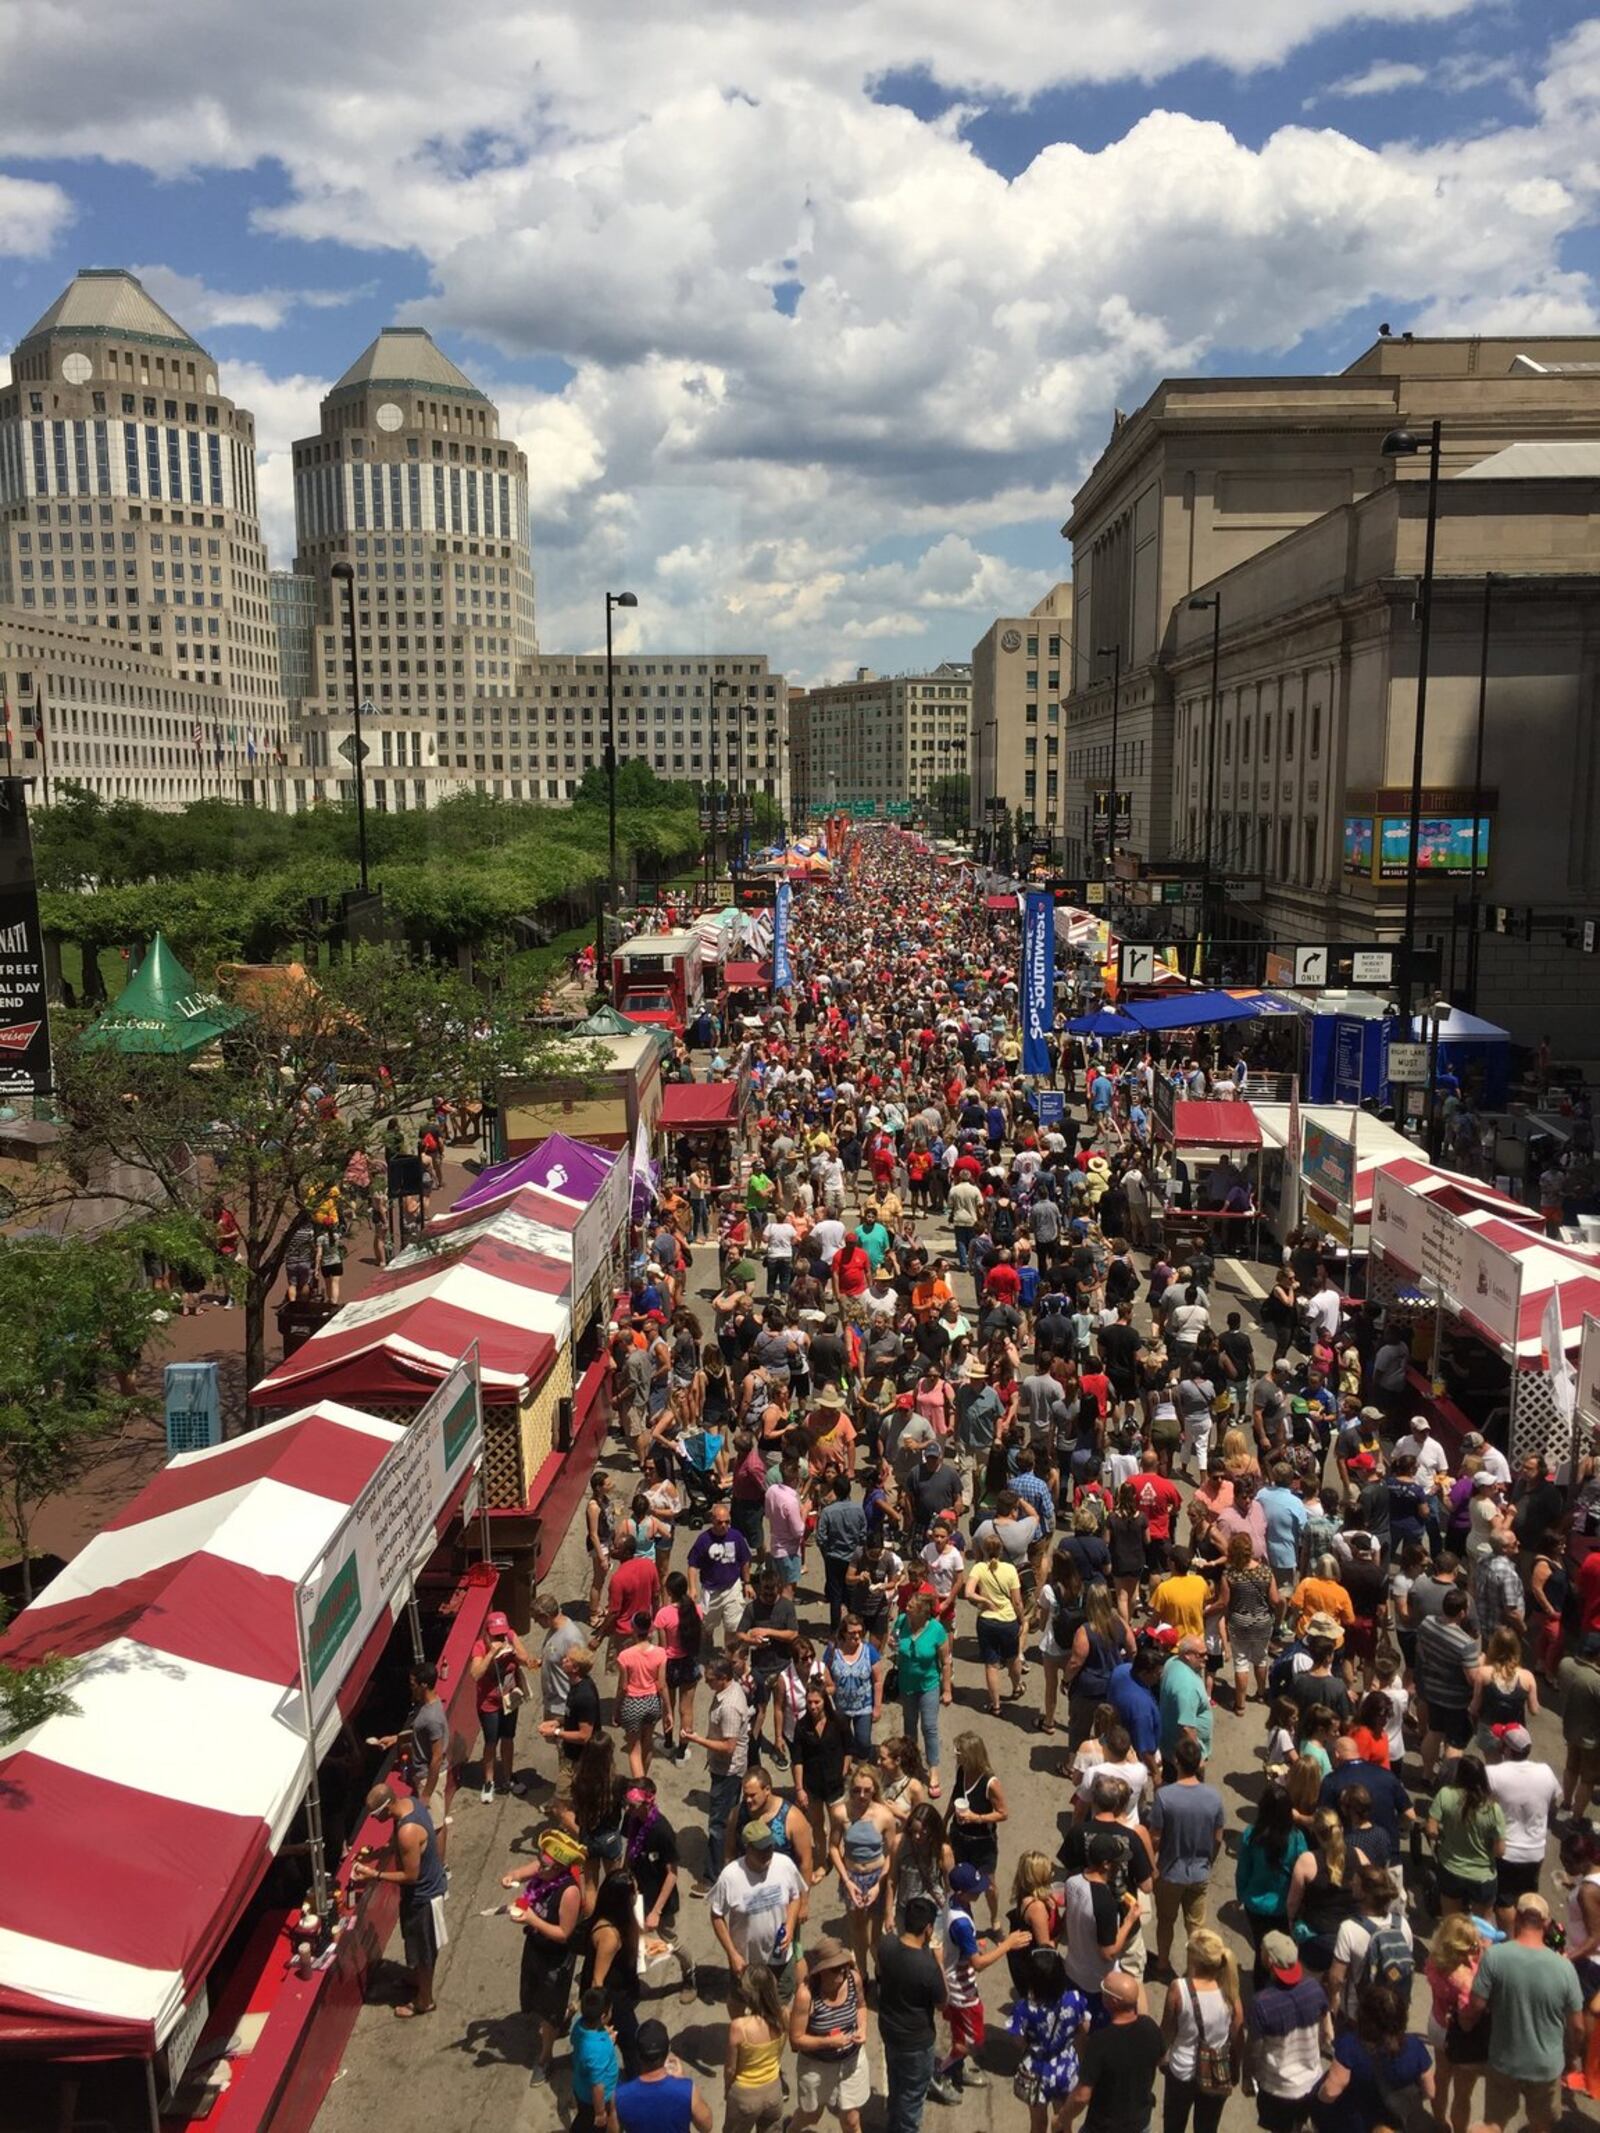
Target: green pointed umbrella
column 161, row 1009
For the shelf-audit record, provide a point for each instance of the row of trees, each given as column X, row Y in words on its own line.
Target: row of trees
column 226, row 883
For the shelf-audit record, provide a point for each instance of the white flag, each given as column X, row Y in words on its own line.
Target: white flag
column 1553, row 1355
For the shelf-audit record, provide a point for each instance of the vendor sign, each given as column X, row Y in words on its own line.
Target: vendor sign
column 1328, row 1163
column 387, row 1534
column 1475, row 1278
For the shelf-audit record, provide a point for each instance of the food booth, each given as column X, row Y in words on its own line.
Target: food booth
column 1480, row 1286
column 1211, row 1139
column 232, row 1635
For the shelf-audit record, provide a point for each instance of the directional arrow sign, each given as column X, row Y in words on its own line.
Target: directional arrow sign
column 1138, row 964
column 353, row 750
column 1311, row 966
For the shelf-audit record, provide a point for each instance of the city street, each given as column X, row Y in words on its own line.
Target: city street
column 472, row 2059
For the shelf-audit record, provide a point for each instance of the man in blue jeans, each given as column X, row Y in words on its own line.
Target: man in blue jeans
column 727, row 1746
column 911, row 1994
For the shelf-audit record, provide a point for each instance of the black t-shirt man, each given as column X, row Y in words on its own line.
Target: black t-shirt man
column 1306, row 1689
column 1118, row 2063
column 932, row 1490
column 583, row 1709
column 1130, row 1871
column 1120, row 1345
column 910, row 1995
column 650, row 1859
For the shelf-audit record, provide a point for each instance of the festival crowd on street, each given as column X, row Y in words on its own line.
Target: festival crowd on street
column 999, row 1669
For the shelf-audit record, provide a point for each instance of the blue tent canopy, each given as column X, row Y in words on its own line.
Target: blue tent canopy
column 1104, row 1022
column 1188, row 1010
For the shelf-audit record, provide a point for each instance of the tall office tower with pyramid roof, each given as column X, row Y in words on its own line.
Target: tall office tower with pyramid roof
column 131, row 558
column 410, row 482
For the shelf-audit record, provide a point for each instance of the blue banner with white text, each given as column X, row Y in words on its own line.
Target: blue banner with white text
column 782, row 975
column 1038, row 992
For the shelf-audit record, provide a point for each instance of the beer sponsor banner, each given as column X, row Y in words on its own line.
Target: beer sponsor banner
column 782, row 974
column 24, row 1017
column 386, row 1535
column 1476, row 1278
column 1328, row 1163
column 1038, row 984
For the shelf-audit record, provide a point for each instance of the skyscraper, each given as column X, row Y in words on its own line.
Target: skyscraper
column 410, row 482
column 128, row 504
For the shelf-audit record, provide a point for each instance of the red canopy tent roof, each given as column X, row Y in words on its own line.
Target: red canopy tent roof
column 1202, row 1124
column 1002, row 903
column 691, row 1104
column 754, row 974
column 139, row 1821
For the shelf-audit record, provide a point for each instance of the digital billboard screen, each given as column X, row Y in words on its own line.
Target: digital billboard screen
column 1358, row 844
column 1444, row 845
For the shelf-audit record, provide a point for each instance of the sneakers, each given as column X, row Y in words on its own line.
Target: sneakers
column 518, row 1788
column 943, row 2091
column 486, row 1793
column 973, row 2077
column 539, row 2075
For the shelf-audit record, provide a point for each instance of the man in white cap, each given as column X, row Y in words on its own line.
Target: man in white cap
column 1492, row 1460
column 1529, row 1794
column 1430, row 1453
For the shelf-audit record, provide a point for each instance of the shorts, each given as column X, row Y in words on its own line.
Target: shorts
column 998, row 1642
column 1155, row 1555
column 640, row 1711
column 1588, row 1764
column 1361, row 1641
column 966, row 2030
column 544, row 1988
column 1518, row 1877
column 788, row 1569
column 1454, row 1724
column 1282, row 2114
column 418, row 1937
column 1476, row 1894
column 497, row 1726
column 683, row 1673
column 842, row 2084
column 1542, row 2100
column 1251, row 1642
column 755, row 2110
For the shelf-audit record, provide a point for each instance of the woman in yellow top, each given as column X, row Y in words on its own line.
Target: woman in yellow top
column 995, row 1589
column 752, row 2071
column 1320, row 1593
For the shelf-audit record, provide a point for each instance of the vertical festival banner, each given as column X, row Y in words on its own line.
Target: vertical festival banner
column 1038, row 992
column 782, row 975
column 24, row 1018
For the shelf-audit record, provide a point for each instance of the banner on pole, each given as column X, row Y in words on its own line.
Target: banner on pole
column 24, row 1015
column 386, row 1536
column 782, row 975
column 1038, row 986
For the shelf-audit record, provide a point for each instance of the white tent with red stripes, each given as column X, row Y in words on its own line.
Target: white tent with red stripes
column 137, row 1824
column 500, row 1277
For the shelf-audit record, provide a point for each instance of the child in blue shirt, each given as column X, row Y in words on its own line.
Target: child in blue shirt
column 595, row 2065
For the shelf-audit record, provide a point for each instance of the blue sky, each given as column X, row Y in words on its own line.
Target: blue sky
column 811, row 324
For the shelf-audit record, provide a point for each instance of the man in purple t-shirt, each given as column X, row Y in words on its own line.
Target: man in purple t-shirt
column 719, row 1573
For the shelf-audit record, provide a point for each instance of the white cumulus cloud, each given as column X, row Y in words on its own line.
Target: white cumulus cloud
column 32, row 216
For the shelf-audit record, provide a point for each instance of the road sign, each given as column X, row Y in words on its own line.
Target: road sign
column 1372, row 966
column 1408, row 1062
column 1588, row 936
column 1138, row 964
column 1311, row 966
column 354, row 751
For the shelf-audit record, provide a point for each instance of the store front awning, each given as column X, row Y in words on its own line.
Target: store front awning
column 138, row 1821
column 1203, row 1124
column 696, row 1106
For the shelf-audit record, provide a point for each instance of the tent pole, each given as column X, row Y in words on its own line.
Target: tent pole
column 150, row 2095
column 414, row 1624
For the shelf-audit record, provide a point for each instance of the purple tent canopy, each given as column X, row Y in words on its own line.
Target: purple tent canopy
column 559, row 1164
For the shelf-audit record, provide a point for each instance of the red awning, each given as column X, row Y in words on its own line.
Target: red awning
column 691, row 1104
column 1214, row 1125
column 736, row 974
column 1001, row 903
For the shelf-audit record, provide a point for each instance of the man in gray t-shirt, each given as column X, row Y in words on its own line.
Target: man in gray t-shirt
column 1186, row 1821
column 561, row 1635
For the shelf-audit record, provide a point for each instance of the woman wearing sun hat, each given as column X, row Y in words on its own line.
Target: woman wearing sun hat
column 828, row 2029
column 549, row 1908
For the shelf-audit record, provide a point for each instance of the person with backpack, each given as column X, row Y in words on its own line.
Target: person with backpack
column 1380, row 2075
column 1373, row 1947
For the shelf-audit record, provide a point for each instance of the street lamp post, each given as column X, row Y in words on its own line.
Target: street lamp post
column 1200, row 602
column 1489, row 577
column 613, row 600
column 345, row 572
column 994, row 783
column 1401, row 444
column 1113, row 652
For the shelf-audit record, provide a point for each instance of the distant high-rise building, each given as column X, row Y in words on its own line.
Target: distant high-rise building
column 293, row 601
column 128, row 507
column 881, row 739
column 410, row 483
column 1021, row 669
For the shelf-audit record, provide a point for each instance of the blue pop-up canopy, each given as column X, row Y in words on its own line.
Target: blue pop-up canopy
column 1188, row 1010
column 1104, row 1022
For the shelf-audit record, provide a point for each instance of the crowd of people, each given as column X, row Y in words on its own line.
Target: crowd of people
column 887, row 1504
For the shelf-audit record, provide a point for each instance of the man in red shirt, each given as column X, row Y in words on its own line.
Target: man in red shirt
column 1094, row 1387
column 1159, row 1500
column 852, row 1274
column 1002, row 1281
column 635, row 1585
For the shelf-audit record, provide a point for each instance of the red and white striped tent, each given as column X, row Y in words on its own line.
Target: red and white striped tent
column 1449, row 1188
column 136, row 1825
column 500, row 1276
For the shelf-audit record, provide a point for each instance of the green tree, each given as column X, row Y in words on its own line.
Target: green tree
column 31, row 1694
column 948, row 804
column 268, row 1127
column 78, row 1316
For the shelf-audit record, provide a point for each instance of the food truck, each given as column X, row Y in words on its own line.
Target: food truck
column 656, row 977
